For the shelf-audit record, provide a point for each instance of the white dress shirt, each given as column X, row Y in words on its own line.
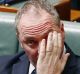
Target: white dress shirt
column 31, row 68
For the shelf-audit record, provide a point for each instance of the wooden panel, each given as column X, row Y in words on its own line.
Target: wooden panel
column 7, row 9
column 75, row 14
column 63, row 9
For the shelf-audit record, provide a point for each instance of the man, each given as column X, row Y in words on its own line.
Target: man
column 41, row 35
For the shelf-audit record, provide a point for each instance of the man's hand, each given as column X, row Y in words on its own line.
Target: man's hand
column 52, row 58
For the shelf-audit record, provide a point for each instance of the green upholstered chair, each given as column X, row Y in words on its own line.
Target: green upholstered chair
column 72, row 36
column 8, row 39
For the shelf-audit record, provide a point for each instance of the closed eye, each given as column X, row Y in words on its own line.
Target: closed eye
column 31, row 42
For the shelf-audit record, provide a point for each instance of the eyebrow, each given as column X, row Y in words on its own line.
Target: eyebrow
column 30, row 38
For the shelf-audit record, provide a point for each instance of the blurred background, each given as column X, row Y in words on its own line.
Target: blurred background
column 70, row 7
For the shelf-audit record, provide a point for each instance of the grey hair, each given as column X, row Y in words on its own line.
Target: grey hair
column 44, row 4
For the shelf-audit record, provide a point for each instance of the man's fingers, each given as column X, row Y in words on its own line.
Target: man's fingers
column 49, row 42
column 59, row 40
column 49, row 47
column 64, row 59
column 42, row 50
column 55, row 43
column 60, row 50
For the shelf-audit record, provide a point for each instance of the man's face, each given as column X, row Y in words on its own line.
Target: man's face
column 32, row 29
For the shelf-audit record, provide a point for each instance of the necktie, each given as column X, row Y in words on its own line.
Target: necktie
column 33, row 72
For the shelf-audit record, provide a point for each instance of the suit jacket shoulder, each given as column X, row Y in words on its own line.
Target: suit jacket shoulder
column 73, row 63
column 14, row 64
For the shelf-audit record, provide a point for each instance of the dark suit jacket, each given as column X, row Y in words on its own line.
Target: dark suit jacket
column 19, row 64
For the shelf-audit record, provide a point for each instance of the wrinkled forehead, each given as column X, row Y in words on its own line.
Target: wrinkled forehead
column 31, row 24
column 32, row 17
column 38, row 29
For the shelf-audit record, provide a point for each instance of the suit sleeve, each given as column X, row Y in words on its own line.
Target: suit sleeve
column 4, row 60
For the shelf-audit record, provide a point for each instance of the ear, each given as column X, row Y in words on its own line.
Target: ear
column 63, row 33
column 21, row 45
column 62, row 29
column 17, row 34
column 62, row 26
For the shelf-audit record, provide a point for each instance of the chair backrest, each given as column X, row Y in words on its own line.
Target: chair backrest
column 72, row 36
column 8, row 39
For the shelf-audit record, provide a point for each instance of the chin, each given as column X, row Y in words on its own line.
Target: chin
column 34, row 62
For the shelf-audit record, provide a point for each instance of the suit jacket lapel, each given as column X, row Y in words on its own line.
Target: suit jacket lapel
column 22, row 66
column 70, row 65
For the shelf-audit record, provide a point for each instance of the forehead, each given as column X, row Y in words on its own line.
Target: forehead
column 37, row 25
column 34, row 17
